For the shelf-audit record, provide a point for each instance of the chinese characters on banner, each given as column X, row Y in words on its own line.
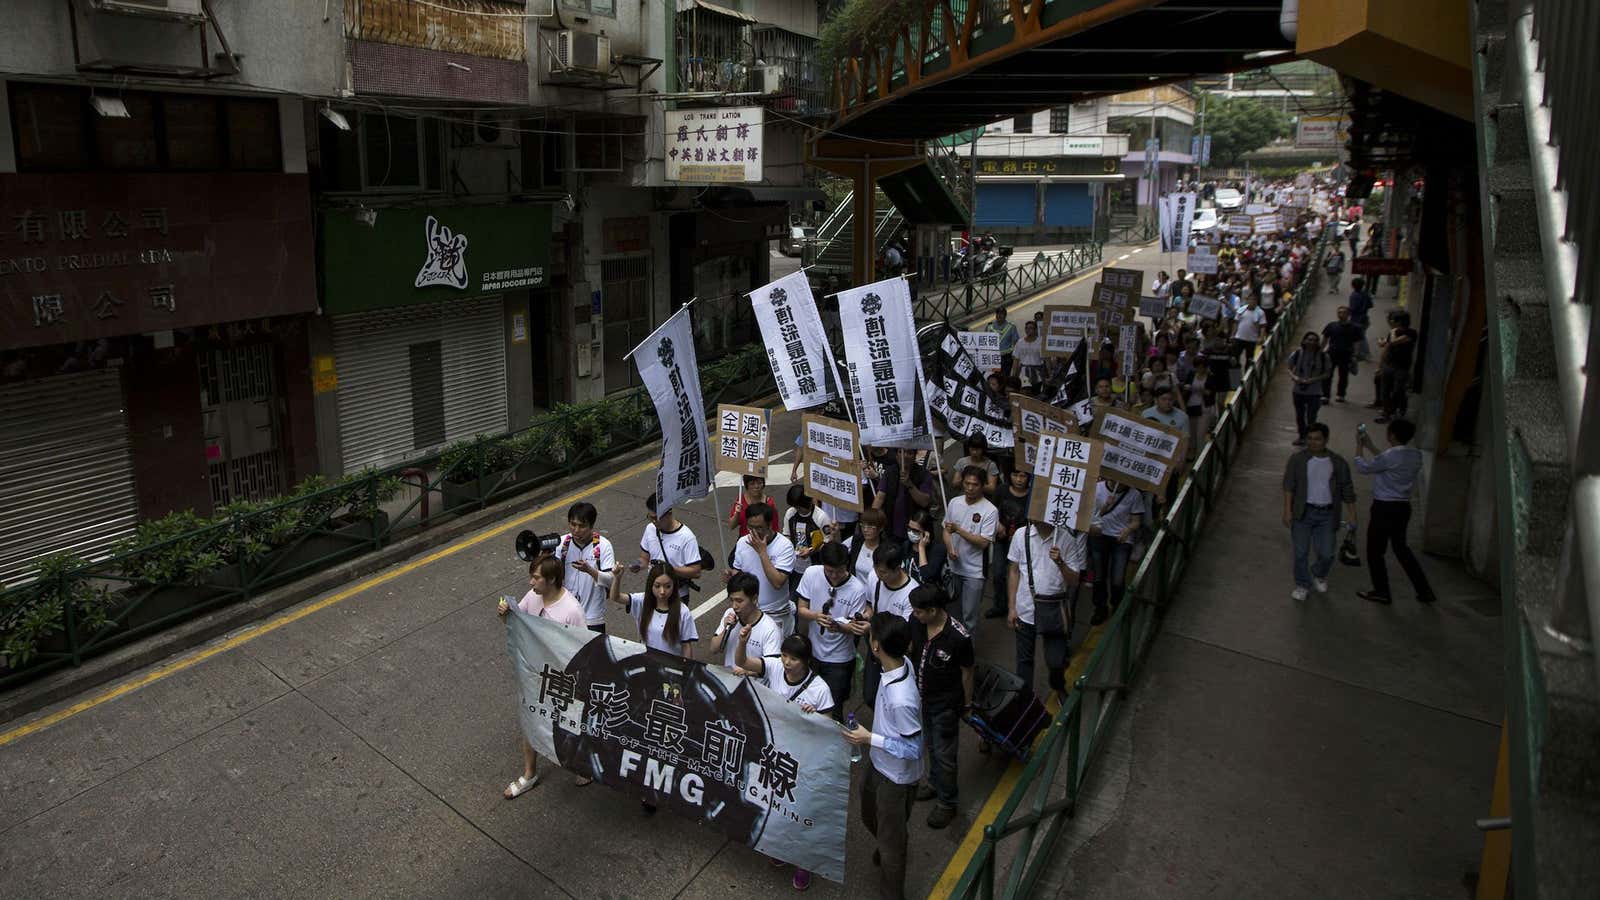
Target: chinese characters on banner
column 715, row 146
column 983, row 347
column 1271, row 223
column 831, row 451
column 1032, row 418
column 688, row 737
column 1209, row 308
column 1138, row 452
column 1065, row 470
column 1177, row 214
column 1128, row 351
column 670, row 372
column 959, row 400
column 742, row 440
column 1129, row 281
column 1066, row 326
column 1114, row 306
column 1241, row 224
column 1153, row 308
column 881, row 354
column 797, row 346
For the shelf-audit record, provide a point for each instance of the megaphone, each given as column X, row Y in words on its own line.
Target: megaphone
column 531, row 546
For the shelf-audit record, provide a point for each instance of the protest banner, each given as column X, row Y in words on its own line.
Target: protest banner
column 1113, row 307
column 1067, row 326
column 1128, row 352
column 824, row 436
column 1138, row 452
column 1030, row 418
column 1205, row 307
column 1065, row 469
column 1177, row 219
column 983, row 347
column 1267, row 224
column 742, row 439
column 1153, row 308
column 959, row 388
column 1130, row 281
column 884, row 362
column 671, row 374
column 690, row 738
column 797, row 346
column 1202, row 261
column 1241, row 225
column 837, row 481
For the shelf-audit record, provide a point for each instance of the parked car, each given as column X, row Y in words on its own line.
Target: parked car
column 1204, row 220
column 1229, row 198
column 796, row 241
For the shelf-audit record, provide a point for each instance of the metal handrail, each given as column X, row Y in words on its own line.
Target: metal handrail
column 951, row 301
column 1075, row 733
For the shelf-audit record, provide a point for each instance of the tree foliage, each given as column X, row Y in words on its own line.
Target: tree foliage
column 1238, row 125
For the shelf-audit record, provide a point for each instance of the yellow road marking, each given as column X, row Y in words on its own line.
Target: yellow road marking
column 255, row 631
column 973, row 839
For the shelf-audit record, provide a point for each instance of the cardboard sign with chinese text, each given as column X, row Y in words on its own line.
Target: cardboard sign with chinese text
column 1138, row 452
column 1153, row 307
column 822, row 436
column 1031, row 418
column 1065, row 469
column 741, row 439
column 983, row 347
column 1114, row 306
column 1130, row 281
column 1205, row 307
column 837, row 481
column 1065, row 326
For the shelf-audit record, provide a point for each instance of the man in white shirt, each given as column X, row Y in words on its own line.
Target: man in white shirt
column 587, row 560
column 834, row 602
column 1045, row 563
column 970, row 524
column 1118, row 509
column 765, row 638
column 888, row 590
column 768, row 556
column 1251, row 322
column 889, row 784
column 667, row 540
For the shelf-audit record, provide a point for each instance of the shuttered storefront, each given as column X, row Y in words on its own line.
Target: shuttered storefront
column 415, row 378
column 66, row 466
column 1067, row 205
column 1006, row 204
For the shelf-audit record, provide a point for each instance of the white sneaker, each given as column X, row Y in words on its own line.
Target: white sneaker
column 1298, row 593
column 1322, row 585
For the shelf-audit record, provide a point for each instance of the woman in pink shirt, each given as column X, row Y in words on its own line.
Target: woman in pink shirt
column 546, row 598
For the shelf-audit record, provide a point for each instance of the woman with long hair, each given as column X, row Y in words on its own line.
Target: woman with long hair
column 665, row 624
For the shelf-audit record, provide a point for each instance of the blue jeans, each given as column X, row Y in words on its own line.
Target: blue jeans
column 971, row 601
column 1316, row 528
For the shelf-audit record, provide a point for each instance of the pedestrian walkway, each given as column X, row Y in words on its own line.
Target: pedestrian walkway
column 1283, row 749
column 357, row 745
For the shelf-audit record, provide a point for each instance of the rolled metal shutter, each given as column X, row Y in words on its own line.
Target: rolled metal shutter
column 1068, row 205
column 67, row 468
column 372, row 356
column 1006, row 204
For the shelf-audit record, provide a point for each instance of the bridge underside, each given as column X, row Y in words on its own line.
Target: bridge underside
column 1010, row 73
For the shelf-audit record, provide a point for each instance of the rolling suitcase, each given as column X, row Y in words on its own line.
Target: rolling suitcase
column 1005, row 711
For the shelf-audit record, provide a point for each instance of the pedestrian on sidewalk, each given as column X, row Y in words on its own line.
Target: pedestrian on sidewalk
column 1335, row 269
column 769, row 556
column 969, row 525
column 942, row 656
column 588, row 560
column 1310, row 369
column 1339, row 340
column 1044, row 565
column 1012, row 502
column 1395, row 472
column 546, row 598
column 1394, row 375
column 665, row 539
column 833, row 603
column 889, row 781
column 1315, row 481
column 1360, row 303
column 1118, row 510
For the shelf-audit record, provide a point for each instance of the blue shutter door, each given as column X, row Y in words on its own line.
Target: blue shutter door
column 1005, row 205
column 1068, row 205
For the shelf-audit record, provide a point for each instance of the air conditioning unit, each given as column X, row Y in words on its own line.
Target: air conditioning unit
column 168, row 9
column 772, row 79
column 581, row 51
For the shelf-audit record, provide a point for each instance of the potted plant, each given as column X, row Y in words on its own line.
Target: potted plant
column 33, row 617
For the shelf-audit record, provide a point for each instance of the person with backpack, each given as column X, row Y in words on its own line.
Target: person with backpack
column 1310, row 367
column 807, row 527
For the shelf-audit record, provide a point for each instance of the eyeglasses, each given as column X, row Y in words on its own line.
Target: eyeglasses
column 833, row 594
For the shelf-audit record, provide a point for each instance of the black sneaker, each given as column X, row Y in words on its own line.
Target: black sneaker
column 925, row 792
column 1374, row 597
column 941, row 816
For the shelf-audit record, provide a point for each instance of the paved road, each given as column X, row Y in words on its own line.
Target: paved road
column 360, row 750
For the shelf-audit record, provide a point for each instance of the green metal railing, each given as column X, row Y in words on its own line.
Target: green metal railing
column 1038, row 808
column 950, row 301
column 74, row 610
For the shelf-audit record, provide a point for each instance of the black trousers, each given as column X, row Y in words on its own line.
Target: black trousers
column 1342, row 361
column 1393, row 385
column 1386, row 527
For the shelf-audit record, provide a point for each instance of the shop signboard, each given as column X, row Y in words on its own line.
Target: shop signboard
column 720, row 145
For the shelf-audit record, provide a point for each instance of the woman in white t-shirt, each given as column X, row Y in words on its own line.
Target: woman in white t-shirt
column 1030, row 354
column 665, row 624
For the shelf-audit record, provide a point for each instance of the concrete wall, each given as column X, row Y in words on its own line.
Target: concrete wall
column 283, row 45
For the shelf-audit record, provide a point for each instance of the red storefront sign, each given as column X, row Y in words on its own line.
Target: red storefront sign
column 86, row 256
column 1377, row 265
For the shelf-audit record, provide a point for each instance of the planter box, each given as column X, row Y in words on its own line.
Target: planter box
column 467, row 493
column 181, row 598
column 349, row 540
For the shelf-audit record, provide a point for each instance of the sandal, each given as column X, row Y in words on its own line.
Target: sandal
column 521, row 786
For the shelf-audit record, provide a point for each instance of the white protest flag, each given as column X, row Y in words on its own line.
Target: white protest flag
column 1175, row 236
column 881, row 354
column 670, row 372
column 797, row 346
column 1164, row 207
